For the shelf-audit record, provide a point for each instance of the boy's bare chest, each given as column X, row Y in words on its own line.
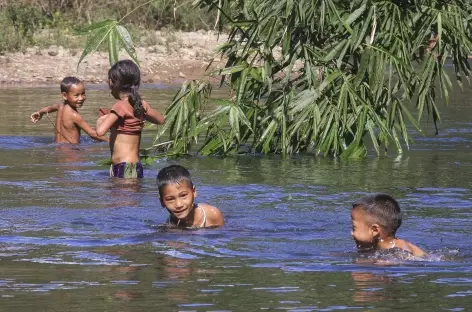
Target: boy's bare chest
column 65, row 120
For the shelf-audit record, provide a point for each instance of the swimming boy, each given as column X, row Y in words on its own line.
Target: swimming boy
column 375, row 220
column 68, row 120
column 177, row 194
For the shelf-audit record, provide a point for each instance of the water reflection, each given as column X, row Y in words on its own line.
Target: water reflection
column 122, row 193
column 71, row 238
column 369, row 287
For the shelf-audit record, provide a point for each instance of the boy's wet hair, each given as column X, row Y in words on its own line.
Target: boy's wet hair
column 174, row 174
column 125, row 76
column 68, row 82
column 381, row 209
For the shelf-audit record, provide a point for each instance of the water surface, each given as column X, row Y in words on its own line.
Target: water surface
column 72, row 239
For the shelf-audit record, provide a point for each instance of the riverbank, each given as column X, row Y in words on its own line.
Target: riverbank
column 181, row 56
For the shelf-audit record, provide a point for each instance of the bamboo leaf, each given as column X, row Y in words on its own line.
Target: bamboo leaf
column 127, row 42
column 98, row 36
column 95, row 26
column 113, row 47
column 230, row 70
column 356, row 14
column 234, row 121
column 363, row 67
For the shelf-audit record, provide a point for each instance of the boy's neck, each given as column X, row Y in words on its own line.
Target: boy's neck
column 66, row 103
column 386, row 242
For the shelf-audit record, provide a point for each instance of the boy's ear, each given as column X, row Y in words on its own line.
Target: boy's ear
column 375, row 228
column 195, row 192
column 64, row 95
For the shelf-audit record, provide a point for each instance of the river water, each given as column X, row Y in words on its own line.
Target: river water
column 72, row 239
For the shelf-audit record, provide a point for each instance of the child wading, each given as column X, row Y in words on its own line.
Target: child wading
column 177, row 194
column 375, row 220
column 68, row 120
column 126, row 120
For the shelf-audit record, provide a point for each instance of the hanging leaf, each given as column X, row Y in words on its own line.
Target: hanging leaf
column 127, row 42
column 98, row 35
column 326, row 76
column 113, row 46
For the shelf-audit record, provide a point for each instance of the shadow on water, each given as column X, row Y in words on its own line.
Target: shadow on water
column 72, row 238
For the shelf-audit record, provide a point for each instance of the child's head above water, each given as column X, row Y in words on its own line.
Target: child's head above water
column 381, row 209
column 375, row 221
column 124, row 79
column 73, row 91
column 175, row 175
column 176, row 191
column 68, row 82
column 177, row 194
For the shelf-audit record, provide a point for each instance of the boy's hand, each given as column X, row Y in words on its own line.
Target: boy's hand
column 36, row 116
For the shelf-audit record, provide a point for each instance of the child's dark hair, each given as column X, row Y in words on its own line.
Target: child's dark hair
column 381, row 209
column 68, row 82
column 126, row 77
column 174, row 174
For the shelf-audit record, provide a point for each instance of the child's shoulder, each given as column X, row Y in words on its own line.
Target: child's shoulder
column 120, row 103
column 214, row 217
column 407, row 246
column 68, row 111
column 121, row 108
column 207, row 207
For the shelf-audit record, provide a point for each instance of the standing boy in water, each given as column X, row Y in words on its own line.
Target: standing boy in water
column 177, row 194
column 68, row 120
column 375, row 220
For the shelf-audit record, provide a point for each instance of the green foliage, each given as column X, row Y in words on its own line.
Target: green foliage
column 179, row 14
column 25, row 19
column 19, row 24
column 324, row 75
column 115, row 35
column 183, row 117
column 25, row 23
column 333, row 73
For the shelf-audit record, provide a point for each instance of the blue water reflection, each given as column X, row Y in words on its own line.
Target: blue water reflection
column 68, row 228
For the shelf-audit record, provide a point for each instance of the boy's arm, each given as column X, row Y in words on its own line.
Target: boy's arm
column 36, row 116
column 416, row 251
column 82, row 124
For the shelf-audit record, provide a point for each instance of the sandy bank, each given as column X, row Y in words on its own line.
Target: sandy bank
column 176, row 58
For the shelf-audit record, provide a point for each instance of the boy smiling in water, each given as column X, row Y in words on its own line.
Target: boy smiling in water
column 375, row 220
column 177, row 194
column 68, row 120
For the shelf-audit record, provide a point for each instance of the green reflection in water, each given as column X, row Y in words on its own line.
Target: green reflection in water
column 73, row 240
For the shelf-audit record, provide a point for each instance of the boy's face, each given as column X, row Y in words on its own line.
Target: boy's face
column 363, row 232
column 178, row 199
column 75, row 97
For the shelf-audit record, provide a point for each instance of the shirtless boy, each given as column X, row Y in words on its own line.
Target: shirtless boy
column 68, row 120
column 177, row 194
column 375, row 220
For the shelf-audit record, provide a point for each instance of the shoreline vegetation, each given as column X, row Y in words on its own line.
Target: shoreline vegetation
column 322, row 76
column 40, row 41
